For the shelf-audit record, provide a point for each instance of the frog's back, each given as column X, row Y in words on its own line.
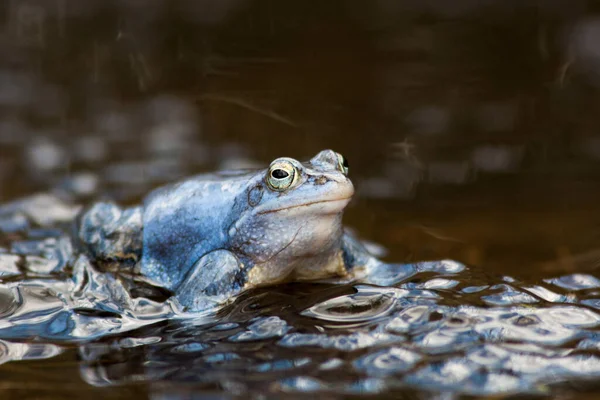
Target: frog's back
column 186, row 220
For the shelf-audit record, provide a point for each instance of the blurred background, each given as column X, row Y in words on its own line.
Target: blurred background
column 471, row 127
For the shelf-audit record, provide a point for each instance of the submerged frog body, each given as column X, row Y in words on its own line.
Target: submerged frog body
column 210, row 237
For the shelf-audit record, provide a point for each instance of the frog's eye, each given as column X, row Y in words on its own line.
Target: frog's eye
column 282, row 175
column 343, row 163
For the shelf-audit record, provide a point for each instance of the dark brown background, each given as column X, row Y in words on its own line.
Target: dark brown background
column 471, row 127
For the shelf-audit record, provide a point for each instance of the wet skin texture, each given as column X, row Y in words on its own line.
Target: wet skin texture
column 211, row 237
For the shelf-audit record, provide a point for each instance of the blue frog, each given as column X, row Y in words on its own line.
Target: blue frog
column 210, row 237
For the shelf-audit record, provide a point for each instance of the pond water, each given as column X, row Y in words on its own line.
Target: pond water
column 472, row 133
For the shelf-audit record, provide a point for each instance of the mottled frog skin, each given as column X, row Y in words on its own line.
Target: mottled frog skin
column 212, row 236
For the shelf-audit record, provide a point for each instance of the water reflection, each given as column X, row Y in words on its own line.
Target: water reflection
column 429, row 343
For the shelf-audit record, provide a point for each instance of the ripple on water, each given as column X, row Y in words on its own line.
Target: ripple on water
column 263, row 328
column 388, row 361
column 368, row 303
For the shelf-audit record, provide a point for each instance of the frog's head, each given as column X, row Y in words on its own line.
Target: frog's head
column 293, row 215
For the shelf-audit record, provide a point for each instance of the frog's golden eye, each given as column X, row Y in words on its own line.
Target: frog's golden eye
column 282, row 175
column 343, row 163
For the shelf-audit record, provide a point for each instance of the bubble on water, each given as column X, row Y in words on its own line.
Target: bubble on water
column 462, row 373
column 453, row 372
column 441, row 267
column 13, row 222
column 474, row 289
column 547, row 294
column 44, row 256
column 192, row 347
column 524, row 324
column 221, row 357
column 332, row 363
column 40, row 265
column 575, row 282
column 350, row 342
column 507, row 296
column 488, row 355
column 367, row 386
column 548, row 367
column 282, row 365
column 437, row 283
column 9, row 301
column 264, row 328
column 130, row 342
column 570, row 316
column 301, row 384
column 8, row 265
column 388, row 274
column 225, row 326
column 409, row 319
column 388, row 361
column 364, row 305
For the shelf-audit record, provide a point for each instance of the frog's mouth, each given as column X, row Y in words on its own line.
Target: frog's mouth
column 329, row 206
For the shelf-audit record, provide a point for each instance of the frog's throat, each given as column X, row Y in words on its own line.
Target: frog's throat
column 258, row 275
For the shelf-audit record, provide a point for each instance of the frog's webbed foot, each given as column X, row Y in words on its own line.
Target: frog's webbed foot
column 108, row 233
column 365, row 268
column 215, row 279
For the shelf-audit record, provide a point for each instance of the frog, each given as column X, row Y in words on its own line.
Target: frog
column 211, row 237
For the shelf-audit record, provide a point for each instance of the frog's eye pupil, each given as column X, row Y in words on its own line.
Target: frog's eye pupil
column 279, row 174
column 345, row 162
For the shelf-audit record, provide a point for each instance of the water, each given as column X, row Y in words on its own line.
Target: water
column 471, row 131
column 431, row 326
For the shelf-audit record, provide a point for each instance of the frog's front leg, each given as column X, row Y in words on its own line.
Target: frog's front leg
column 364, row 267
column 108, row 233
column 216, row 278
